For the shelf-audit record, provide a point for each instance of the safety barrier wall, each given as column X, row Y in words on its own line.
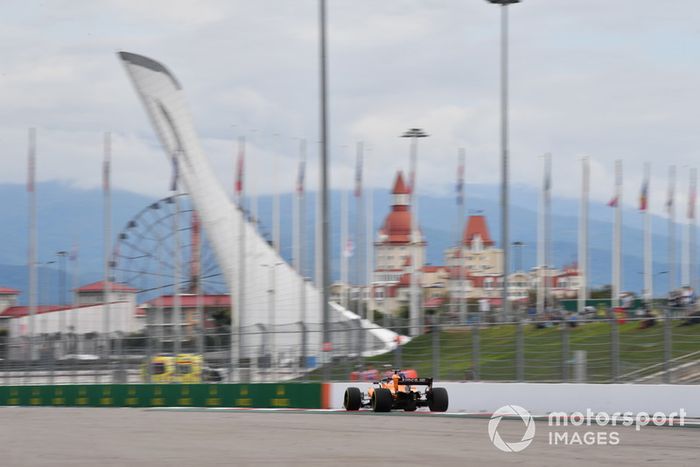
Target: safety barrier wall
column 295, row 395
column 542, row 398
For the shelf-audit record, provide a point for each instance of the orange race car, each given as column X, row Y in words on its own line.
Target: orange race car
column 398, row 391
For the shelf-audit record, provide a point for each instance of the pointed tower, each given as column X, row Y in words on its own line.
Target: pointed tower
column 394, row 246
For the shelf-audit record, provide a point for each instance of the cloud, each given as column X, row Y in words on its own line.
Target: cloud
column 588, row 77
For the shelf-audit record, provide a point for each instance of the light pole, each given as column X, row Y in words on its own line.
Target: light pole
column 61, row 255
column 415, row 315
column 324, row 249
column 271, row 312
column 504, row 144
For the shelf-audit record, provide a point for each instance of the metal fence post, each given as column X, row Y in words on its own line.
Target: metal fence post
column 565, row 353
column 476, row 349
column 614, row 349
column 397, row 351
column 519, row 350
column 667, row 346
column 436, row 350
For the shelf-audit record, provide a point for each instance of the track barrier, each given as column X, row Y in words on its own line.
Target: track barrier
column 263, row 395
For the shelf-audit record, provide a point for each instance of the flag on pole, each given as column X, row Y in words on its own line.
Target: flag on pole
column 300, row 177
column 240, row 167
column 671, row 190
column 460, row 181
column 106, row 173
column 349, row 249
column 73, row 252
column 358, row 172
column 692, row 194
column 31, row 160
column 644, row 195
column 547, row 184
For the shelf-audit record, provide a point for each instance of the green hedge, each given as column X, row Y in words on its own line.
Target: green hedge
column 294, row 395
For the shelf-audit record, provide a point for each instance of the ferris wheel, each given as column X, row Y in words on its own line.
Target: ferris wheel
column 146, row 250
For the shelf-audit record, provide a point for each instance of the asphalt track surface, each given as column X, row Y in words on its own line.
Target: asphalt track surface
column 45, row 436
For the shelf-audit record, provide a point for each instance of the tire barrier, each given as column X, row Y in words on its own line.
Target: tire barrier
column 259, row 395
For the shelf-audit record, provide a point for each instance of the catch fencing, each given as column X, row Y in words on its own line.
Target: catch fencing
column 662, row 348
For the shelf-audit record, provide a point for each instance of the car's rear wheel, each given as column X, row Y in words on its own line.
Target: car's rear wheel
column 438, row 400
column 352, row 399
column 382, row 400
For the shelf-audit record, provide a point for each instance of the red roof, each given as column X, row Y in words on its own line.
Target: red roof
column 8, row 291
column 476, row 225
column 400, row 187
column 397, row 226
column 100, row 287
column 190, row 301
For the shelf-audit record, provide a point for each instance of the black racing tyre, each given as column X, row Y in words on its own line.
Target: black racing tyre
column 382, row 400
column 438, row 400
column 352, row 399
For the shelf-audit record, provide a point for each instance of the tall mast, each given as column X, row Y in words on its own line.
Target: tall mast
column 671, row 211
column 648, row 267
column 583, row 235
column 617, row 237
column 344, row 248
column 31, row 188
column 107, row 225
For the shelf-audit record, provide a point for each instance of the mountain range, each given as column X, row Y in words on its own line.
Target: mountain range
column 68, row 215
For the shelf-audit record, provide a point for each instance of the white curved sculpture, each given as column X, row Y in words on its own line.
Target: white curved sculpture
column 164, row 100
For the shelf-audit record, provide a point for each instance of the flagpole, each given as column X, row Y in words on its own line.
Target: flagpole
column 541, row 260
column 547, row 226
column 685, row 245
column 75, row 272
column 344, row 251
column 648, row 271
column 617, row 236
column 177, row 308
column 671, row 211
column 107, row 218
column 359, row 220
column 299, row 258
column 583, row 235
column 462, row 296
column 238, row 310
column 369, row 229
column 692, row 250
column 31, row 188
column 275, row 205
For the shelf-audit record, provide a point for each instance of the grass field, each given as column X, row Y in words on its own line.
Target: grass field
column 638, row 349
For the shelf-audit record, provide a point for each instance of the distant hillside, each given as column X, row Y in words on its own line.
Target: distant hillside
column 67, row 214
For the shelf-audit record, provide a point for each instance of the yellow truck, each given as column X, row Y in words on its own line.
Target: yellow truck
column 169, row 368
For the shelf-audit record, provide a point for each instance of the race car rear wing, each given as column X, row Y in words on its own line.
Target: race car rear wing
column 410, row 381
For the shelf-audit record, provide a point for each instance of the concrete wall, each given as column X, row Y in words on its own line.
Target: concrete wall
column 541, row 398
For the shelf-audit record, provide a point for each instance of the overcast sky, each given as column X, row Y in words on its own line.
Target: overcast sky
column 608, row 79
